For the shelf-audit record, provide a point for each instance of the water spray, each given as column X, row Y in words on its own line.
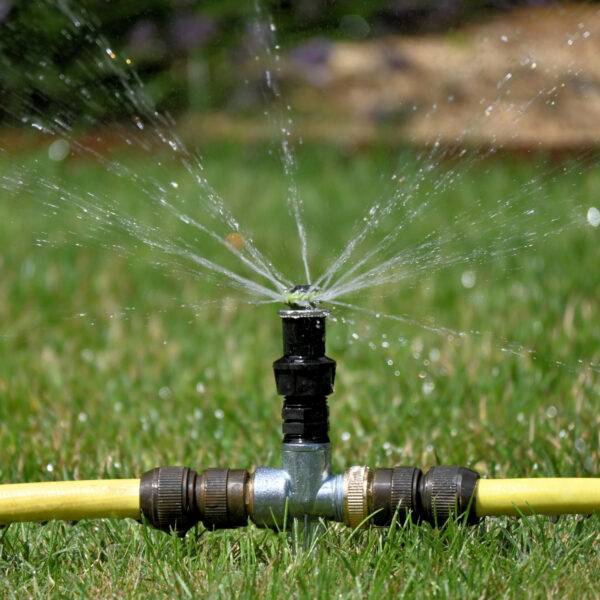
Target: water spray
column 303, row 490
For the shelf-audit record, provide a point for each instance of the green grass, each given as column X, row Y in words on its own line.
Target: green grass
column 144, row 379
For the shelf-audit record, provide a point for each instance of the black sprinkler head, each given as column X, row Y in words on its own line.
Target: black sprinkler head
column 304, row 375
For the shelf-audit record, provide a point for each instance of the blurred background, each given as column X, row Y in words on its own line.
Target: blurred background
column 355, row 72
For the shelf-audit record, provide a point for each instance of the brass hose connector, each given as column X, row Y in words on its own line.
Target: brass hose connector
column 356, row 489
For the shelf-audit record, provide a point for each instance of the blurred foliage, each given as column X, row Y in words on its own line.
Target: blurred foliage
column 187, row 52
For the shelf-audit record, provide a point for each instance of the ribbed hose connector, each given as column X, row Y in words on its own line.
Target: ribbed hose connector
column 177, row 498
column 394, row 492
column 446, row 492
column 168, row 499
column 221, row 497
column 356, row 491
column 437, row 496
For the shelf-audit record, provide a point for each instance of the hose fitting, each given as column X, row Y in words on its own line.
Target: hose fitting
column 356, row 496
column 177, row 498
column 434, row 497
column 446, row 492
column 394, row 490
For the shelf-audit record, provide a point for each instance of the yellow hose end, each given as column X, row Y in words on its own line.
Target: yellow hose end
column 544, row 496
column 70, row 500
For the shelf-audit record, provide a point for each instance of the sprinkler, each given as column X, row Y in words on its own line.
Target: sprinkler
column 302, row 296
column 303, row 490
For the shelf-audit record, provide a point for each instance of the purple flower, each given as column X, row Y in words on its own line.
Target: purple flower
column 191, row 30
column 312, row 53
column 5, row 8
column 144, row 39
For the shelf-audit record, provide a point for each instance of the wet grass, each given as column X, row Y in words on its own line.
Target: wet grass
column 106, row 370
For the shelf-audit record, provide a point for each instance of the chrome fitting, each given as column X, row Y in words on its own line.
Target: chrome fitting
column 269, row 492
column 308, row 466
column 303, row 489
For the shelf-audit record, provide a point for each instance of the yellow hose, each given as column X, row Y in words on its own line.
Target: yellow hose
column 69, row 500
column 551, row 496
column 76, row 500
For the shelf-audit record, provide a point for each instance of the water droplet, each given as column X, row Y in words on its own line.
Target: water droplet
column 504, row 80
column 86, row 354
column 468, row 279
column 174, row 185
column 59, row 150
column 428, row 387
column 345, row 436
column 593, row 216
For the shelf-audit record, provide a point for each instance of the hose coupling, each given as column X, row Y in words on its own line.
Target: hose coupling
column 177, row 498
column 356, row 496
column 435, row 497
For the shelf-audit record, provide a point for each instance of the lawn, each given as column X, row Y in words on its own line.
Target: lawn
column 111, row 364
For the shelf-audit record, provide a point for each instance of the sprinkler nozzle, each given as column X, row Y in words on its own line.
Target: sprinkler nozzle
column 302, row 297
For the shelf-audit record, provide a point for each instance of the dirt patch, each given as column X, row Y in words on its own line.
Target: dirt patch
column 527, row 79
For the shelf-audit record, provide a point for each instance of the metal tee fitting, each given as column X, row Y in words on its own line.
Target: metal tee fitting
column 303, row 489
